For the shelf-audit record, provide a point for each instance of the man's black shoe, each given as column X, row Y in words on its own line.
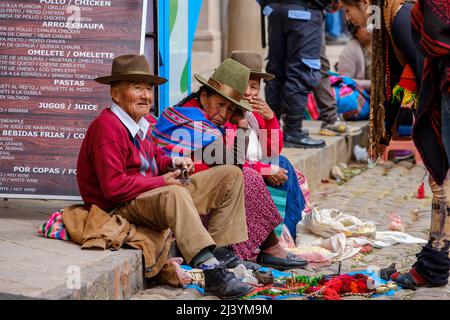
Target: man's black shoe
column 299, row 139
column 222, row 283
column 228, row 258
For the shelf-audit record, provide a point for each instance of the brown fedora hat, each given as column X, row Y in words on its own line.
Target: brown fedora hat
column 131, row 67
column 253, row 61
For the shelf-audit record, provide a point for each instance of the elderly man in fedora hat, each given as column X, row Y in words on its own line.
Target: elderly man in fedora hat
column 121, row 169
column 195, row 127
column 266, row 142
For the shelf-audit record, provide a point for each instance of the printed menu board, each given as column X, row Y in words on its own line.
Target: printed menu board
column 50, row 52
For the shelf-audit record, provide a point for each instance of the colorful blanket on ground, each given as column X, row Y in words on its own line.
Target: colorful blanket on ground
column 362, row 283
column 54, row 227
column 327, row 287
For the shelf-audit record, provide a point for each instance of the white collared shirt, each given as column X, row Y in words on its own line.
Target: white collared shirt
column 140, row 128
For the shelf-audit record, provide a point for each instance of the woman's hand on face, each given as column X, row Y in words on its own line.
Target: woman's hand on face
column 238, row 118
column 260, row 106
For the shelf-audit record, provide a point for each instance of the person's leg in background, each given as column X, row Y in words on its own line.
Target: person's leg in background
column 276, row 58
column 433, row 262
column 303, row 29
column 326, row 102
column 445, row 116
column 335, row 28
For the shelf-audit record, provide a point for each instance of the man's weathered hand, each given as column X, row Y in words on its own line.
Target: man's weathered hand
column 171, row 178
column 184, row 163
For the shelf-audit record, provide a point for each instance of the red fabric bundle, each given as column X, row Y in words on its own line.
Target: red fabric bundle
column 342, row 284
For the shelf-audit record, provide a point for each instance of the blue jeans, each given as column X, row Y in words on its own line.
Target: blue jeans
column 333, row 24
column 295, row 202
column 445, row 112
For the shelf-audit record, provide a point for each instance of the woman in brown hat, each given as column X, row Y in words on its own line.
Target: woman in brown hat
column 276, row 169
column 196, row 126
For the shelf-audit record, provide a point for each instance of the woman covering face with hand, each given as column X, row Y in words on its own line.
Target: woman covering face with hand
column 196, row 127
column 267, row 138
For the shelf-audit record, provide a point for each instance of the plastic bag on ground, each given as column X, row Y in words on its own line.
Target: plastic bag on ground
column 329, row 222
column 343, row 235
column 244, row 274
column 286, row 240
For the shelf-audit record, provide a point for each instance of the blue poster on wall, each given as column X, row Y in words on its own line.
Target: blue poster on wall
column 175, row 17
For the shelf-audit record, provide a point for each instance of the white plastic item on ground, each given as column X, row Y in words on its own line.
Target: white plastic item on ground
column 244, row 274
column 389, row 238
column 344, row 235
column 337, row 248
column 329, row 222
column 396, row 222
column 183, row 276
column 286, row 240
column 360, row 153
column 339, row 244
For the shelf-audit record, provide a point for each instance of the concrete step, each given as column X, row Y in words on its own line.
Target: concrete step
column 33, row 267
column 317, row 163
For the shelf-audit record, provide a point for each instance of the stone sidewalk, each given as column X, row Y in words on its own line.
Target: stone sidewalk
column 385, row 189
column 370, row 196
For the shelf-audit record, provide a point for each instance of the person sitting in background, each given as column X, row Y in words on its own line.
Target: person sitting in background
column 264, row 149
column 343, row 95
column 355, row 60
column 326, row 103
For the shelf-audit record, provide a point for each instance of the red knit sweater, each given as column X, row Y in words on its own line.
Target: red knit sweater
column 113, row 167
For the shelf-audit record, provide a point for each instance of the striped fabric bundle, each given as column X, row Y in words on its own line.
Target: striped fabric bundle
column 54, row 228
column 181, row 130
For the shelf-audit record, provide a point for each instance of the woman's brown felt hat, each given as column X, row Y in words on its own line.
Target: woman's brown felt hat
column 131, row 67
column 253, row 61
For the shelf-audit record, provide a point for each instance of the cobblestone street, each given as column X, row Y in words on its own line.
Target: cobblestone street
column 372, row 195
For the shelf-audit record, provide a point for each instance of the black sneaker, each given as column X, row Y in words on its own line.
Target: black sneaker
column 299, row 139
column 222, row 283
